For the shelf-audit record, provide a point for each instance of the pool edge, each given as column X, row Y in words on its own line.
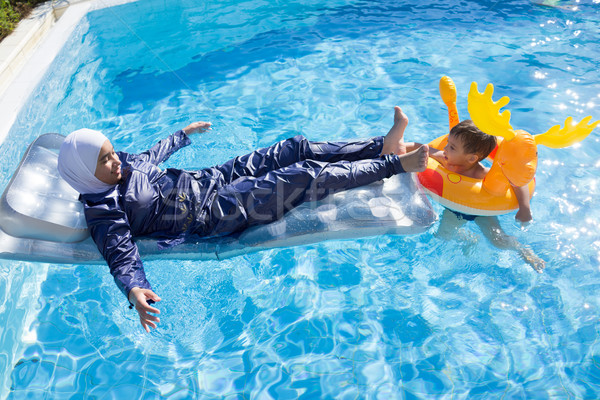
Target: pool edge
column 26, row 54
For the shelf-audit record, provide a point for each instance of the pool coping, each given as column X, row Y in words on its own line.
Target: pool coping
column 16, row 48
column 26, row 54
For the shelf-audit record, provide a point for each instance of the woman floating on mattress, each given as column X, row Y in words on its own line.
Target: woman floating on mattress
column 127, row 195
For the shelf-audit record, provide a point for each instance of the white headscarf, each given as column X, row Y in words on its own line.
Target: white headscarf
column 77, row 161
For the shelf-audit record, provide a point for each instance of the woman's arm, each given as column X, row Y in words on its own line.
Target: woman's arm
column 165, row 148
column 197, row 127
column 162, row 150
column 110, row 231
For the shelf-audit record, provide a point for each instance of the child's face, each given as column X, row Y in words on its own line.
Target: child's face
column 108, row 168
column 457, row 159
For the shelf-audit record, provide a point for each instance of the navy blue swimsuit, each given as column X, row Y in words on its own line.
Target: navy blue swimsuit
column 466, row 217
column 257, row 188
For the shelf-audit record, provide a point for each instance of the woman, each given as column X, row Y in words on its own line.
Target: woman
column 127, row 195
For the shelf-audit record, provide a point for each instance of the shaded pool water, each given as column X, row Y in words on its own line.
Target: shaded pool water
column 381, row 317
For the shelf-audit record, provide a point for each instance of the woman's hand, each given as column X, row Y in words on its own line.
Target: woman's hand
column 196, row 127
column 139, row 298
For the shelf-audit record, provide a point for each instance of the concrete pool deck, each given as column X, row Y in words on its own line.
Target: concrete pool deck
column 27, row 53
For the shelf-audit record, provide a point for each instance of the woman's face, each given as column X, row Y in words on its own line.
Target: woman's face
column 108, row 168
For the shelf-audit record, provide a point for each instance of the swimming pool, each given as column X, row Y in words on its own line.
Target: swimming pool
column 381, row 317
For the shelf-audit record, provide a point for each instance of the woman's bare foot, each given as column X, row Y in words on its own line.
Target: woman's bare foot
column 416, row 160
column 393, row 143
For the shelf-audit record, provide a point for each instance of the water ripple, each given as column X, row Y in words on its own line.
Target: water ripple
column 380, row 317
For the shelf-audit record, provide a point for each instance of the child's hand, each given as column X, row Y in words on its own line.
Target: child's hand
column 522, row 195
column 524, row 215
column 437, row 155
column 196, row 127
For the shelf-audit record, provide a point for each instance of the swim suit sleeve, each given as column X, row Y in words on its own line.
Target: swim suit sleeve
column 162, row 150
column 109, row 227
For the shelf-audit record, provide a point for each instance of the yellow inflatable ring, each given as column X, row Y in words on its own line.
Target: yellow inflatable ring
column 464, row 194
column 514, row 159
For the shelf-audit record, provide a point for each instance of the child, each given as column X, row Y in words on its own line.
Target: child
column 467, row 146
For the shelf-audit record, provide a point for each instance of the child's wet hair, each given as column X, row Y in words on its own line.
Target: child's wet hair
column 474, row 141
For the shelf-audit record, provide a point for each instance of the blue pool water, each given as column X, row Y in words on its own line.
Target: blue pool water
column 387, row 317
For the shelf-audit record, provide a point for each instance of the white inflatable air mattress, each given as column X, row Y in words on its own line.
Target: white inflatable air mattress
column 41, row 218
